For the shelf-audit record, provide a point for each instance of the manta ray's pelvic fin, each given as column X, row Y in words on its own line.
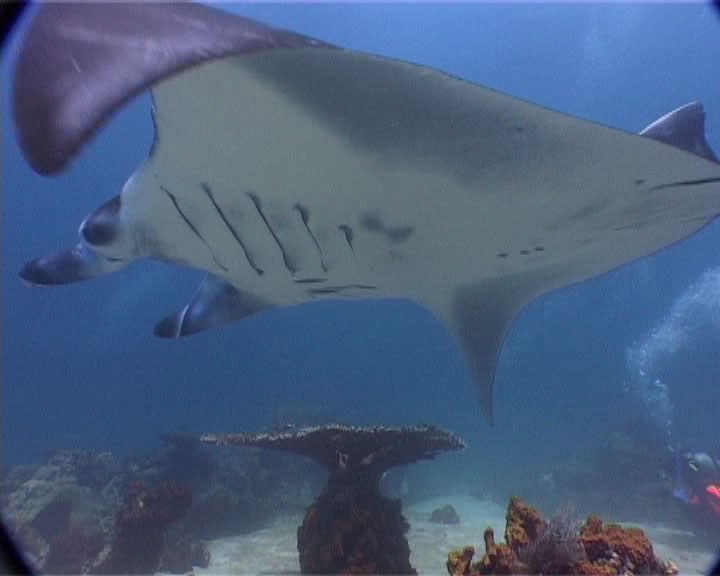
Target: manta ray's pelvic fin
column 73, row 265
column 215, row 303
column 683, row 128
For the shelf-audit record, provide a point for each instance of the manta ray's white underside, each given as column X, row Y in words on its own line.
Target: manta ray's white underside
column 298, row 173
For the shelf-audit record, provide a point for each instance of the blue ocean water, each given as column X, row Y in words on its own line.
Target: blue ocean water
column 82, row 369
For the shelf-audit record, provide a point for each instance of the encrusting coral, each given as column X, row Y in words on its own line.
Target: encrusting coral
column 523, row 524
column 560, row 546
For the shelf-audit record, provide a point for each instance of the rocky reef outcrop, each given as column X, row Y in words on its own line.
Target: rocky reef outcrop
column 445, row 515
column 83, row 512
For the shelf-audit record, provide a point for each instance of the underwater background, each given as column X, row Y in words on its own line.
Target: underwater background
column 628, row 359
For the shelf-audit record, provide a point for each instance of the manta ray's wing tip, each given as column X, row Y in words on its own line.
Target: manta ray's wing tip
column 78, row 63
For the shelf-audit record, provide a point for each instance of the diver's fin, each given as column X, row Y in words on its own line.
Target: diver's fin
column 74, row 265
column 215, row 303
column 683, row 128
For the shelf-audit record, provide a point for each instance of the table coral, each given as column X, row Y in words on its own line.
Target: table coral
column 352, row 528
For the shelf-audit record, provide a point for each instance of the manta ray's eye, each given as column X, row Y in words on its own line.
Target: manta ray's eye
column 100, row 228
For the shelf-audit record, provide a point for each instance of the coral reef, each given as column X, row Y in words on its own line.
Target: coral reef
column 138, row 542
column 352, row 528
column 624, row 549
column 66, row 513
column 74, row 551
column 560, row 546
column 523, row 524
column 61, row 512
column 460, row 561
column 498, row 559
column 557, row 550
column 445, row 515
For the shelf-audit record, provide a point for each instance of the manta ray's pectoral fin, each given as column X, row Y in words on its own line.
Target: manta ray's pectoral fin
column 79, row 63
column 215, row 303
column 481, row 315
column 683, row 128
column 78, row 263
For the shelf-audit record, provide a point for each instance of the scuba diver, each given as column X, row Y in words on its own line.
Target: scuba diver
column 698, row 476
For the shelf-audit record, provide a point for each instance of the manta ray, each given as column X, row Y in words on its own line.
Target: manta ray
column 291, row 170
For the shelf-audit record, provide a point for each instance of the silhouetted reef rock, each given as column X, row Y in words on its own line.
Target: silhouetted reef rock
column 138, row 542
column 445, row 515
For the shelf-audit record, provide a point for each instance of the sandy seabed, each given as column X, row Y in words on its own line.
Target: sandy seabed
column 273, row 550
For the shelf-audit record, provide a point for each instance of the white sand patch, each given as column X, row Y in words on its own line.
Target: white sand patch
column 272, row 550
column 430, row 542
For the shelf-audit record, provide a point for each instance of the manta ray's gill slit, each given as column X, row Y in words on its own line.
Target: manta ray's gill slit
column 310, row 280
column 173, row 199
column 348, row 235
column 208, row 191
column 681, row 183
column 258, row 206
column 305, row 215
column 340, row 289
